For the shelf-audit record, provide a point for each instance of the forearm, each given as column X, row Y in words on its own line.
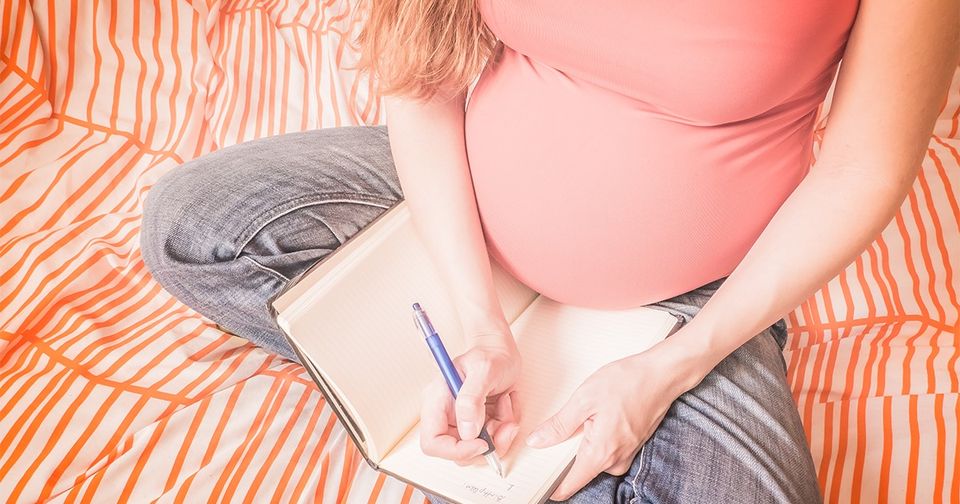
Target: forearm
column 831, row 217
column 428, row 147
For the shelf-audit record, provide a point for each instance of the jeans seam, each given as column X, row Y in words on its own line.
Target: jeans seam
column 266, row 268
column 633, row 483
column 294, row 208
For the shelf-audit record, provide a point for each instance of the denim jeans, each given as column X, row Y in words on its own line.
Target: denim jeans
column 227, row 230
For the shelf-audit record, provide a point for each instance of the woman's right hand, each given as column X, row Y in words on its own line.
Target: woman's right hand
column 490, row 369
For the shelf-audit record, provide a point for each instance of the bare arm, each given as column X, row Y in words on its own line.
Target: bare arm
column 429, row 151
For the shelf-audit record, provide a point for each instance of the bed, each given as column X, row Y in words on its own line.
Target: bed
column 113, row 391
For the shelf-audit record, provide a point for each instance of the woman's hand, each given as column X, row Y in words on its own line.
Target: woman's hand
column 619, row 407
column 490, row 370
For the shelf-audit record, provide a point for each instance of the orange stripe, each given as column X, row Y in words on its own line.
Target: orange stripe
column 48, row 398
column 346, row 472
column 14, row 92
column 281, row 440
column 100, row 173
column 37, row 288
column 312, row 462
column 52, row 299
column 151, row 132
column 886, row 458
column 177, row 467
column 25, row 146
column 949, row 281
column 245, row 84
column 407, row 494
column 823, row 470
column 940, row 422
column 170, row 408
column 201, row 399
column 231, row 101
column 258, row 435
column 955, row 486
column 297, row 454
column 104, row 410
column 50, row 304
column 377, row 488
column 214, row 440
column 165, row 415
column 172, row 108
column 925, row 242
column 121, row 67
column 72, row 332
column 97, row 63
column 256, row 424
column 28, row 105
column 68, row 61
column 890, row 287
column 912, row 470
column 324, row 471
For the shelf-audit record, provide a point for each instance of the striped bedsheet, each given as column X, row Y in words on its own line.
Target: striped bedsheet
column 111, row 390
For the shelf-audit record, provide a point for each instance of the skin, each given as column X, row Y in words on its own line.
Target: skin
column 895, row 74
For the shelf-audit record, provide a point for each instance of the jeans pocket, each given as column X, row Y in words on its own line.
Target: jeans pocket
column 682, row 317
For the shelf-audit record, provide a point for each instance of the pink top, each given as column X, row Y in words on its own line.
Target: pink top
column 624, row 152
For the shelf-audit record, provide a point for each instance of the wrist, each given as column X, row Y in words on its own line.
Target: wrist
column 684, row 357
column 488, row 331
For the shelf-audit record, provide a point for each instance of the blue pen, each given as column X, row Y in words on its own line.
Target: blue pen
column 451, row 375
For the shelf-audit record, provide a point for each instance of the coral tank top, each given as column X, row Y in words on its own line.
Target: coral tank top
column 624, row 152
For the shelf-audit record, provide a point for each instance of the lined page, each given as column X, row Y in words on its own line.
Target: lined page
column 561, row 346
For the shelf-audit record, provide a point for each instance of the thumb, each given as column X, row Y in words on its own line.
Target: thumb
column 560, row 426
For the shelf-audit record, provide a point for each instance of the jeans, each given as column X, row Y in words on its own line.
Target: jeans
column 227, row 230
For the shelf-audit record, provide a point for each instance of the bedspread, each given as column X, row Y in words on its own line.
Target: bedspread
column 111, row 390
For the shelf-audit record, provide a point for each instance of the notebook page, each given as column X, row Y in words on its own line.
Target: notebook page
column 561, row 346
column 360, row 335
column 354, row 322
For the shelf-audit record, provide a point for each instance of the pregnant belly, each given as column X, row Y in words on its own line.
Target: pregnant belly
column 596, row 199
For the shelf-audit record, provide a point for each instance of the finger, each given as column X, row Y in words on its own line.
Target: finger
column 516, row 403
column 560, row 426
column 436, row 406
column 437, row 437
column 449, row 447
column 470, row 402
column 503, row 408
column 588, row 463
column 504, row 437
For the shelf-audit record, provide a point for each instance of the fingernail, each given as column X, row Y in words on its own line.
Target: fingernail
column 468, row 430
column 535, row 439
column 513, row 433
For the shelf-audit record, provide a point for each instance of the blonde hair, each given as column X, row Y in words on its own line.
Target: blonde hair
column 417, row 48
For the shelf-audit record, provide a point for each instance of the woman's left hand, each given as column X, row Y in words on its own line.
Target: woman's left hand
column 619, row 407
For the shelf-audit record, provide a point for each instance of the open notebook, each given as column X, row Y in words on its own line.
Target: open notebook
column 350, row 320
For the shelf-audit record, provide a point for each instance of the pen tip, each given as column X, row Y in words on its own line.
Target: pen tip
column 416, row 306
column 495, row 462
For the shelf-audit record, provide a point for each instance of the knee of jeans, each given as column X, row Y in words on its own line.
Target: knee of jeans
column 163, row 214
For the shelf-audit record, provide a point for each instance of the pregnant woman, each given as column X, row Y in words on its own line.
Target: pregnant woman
column 610, row 155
